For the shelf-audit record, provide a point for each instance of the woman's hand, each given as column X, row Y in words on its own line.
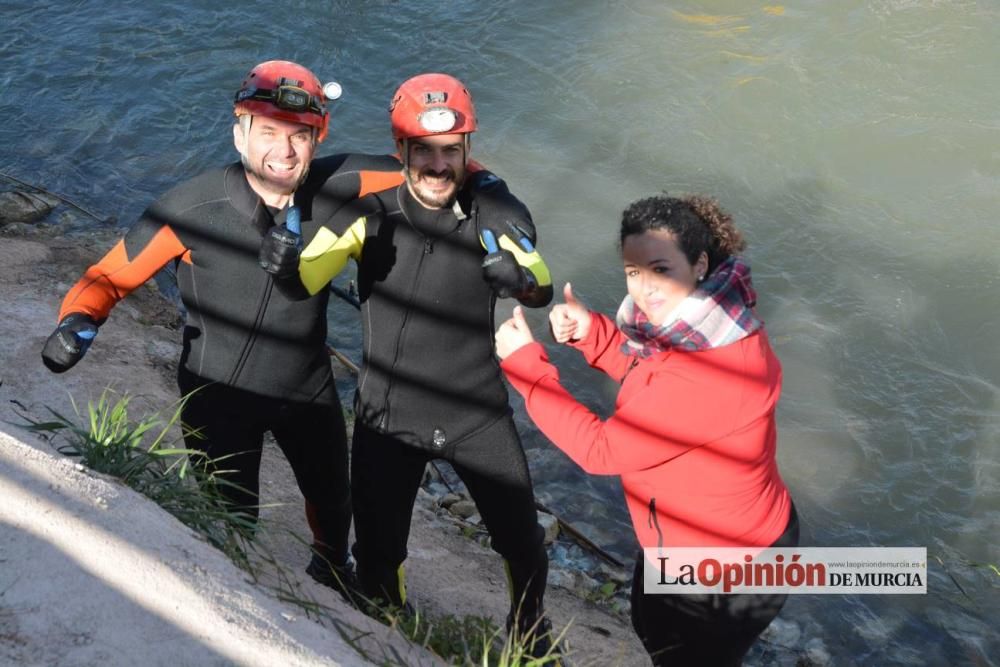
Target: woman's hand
column 571, row 320
column 513, row 334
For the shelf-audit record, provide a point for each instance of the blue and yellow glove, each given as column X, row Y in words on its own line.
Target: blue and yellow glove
column 501, row 269
column 512, row 265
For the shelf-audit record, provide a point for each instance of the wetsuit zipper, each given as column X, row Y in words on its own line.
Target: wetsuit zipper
column 428, row 250
column 252, row 337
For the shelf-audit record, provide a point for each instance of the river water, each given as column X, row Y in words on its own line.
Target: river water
column 857, row 143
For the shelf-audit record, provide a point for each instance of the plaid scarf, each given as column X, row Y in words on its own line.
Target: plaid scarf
column 717, row 313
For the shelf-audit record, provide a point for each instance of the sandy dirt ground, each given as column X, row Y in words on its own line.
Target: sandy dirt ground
column 92, row 573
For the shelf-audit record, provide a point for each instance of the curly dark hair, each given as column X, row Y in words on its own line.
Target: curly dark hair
column 698, row 222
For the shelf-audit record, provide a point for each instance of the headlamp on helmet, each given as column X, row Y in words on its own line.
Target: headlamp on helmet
column 286, row 96
column 438, row 119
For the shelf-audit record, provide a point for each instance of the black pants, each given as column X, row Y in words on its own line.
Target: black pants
column 232, row 423
column 705, row 630
column 386, row 475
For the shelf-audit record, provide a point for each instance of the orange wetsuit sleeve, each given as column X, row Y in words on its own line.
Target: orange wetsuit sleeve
column 112, row 278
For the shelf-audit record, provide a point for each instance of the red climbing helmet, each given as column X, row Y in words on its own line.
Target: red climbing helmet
column 431, row 104
column 286, row 91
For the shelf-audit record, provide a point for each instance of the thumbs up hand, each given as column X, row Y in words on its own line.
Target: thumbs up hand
column 569, row 321
column 501, row 270
column 282, row 245
column 513, row 334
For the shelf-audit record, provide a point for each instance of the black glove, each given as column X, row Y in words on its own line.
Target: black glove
column 69, row 342
column 279, row 252
column 281, row 247
column 501, row 271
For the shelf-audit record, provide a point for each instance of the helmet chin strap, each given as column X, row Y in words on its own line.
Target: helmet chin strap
column 245, row 121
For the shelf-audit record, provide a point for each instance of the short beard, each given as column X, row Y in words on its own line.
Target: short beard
column 429, row 201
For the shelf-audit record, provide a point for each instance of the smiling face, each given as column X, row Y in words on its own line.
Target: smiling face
column 435, row 168
column 658, row 274
column 276, row 155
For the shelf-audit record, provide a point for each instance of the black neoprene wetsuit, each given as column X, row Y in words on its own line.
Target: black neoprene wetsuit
column 431, row 388
column 257, row 356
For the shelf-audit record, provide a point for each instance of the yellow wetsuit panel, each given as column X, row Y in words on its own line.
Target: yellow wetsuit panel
column 327, row 255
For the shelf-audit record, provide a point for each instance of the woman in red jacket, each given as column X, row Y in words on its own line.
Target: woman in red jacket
column 693, row 433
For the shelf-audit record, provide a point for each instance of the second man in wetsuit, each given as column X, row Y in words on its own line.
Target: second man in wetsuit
column 433, row 255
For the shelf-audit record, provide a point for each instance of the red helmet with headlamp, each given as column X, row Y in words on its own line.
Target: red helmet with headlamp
column 430, row 104
column 285, row 91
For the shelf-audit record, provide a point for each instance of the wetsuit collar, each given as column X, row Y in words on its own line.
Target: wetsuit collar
column 245, row 200
column 427, row 221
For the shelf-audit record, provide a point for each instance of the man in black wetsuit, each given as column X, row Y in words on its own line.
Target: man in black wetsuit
column 433, row 255
column 254, row 356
